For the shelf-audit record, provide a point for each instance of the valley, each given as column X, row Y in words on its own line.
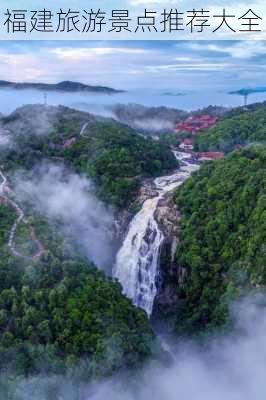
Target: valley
column 180, row 214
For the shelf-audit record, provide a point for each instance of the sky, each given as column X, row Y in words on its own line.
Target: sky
column 179, row 65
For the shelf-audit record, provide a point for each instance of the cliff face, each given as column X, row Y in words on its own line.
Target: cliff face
column 123, row 217
column 168, row 217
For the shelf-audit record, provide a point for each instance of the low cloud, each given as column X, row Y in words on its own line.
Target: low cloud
column 231, row 368
column 189, row 67
column 84, row 53
column 239, row 50
column 65, row 196
column 5, row 138
column 153, row 125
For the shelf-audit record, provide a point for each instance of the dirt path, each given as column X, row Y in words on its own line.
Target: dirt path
column 4, row 189
column 83, row 128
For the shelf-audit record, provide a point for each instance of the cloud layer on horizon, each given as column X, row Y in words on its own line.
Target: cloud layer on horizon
column 126, row 65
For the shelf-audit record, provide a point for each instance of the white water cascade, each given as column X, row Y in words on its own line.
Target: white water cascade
column 136, row 265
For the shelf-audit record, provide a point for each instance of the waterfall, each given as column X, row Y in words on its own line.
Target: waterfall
column 137, row 261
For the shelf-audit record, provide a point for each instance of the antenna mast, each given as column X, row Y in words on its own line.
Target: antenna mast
column 45, row 98
column 245, row 99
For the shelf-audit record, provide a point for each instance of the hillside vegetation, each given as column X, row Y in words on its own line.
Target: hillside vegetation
column 239, row 128
column 223, row 236
column 116, row 158
column 59, row 311
column 110, row 153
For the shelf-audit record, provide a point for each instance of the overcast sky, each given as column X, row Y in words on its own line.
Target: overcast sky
column 157, row 65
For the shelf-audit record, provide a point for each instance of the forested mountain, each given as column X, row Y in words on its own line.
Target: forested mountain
column 59, row 314
column 240, row 127
column 65, row 86
column 58, row 311
column 112, row 154
column 153, row 120
column 222, row 239
column 116, row 158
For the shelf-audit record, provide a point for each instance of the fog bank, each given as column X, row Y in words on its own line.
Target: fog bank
column 10, row 99
column 232, row 368
column 59, row 194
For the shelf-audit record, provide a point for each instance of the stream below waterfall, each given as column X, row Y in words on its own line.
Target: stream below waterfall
column 137, row 261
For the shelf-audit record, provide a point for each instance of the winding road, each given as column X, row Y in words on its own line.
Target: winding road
column 83, row 128
column 4, row 188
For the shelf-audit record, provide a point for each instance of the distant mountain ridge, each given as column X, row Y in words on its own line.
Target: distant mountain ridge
column 247, row 91
column 64, row 86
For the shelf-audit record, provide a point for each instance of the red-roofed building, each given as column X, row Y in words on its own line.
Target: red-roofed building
column 196, row 123
column 187, row 144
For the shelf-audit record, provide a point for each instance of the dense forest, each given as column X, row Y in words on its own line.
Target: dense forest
column 116, row 158
column 58, row 310
column 110, row 153
column 240, row 127
column 223, row 236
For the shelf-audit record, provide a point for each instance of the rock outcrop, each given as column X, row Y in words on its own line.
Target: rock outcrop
column 170, row 275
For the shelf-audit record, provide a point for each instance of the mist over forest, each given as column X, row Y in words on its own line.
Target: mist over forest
column 100, row 171
column 70, row 198
column 230, row 366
